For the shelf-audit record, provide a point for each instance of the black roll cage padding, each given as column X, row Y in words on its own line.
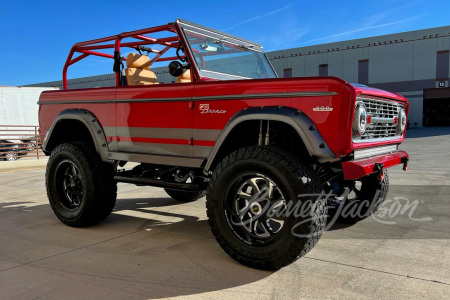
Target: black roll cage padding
column 143, row 48
column 178, row 53
column 118, row 67
column 117, row 62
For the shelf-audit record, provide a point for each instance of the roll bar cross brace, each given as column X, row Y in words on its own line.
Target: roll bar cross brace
column 88, row 48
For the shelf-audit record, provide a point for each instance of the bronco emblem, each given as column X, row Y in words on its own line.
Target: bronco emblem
column 204, row 109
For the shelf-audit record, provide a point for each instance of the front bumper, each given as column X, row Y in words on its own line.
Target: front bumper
column 359, row 168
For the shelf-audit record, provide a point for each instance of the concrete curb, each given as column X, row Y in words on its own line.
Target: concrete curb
column 23, row 163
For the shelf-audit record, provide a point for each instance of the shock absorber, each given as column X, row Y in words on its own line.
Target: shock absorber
column 260, row 134
column 267, row 139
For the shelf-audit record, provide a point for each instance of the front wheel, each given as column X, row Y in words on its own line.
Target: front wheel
column 264, row 207
column 80, row 187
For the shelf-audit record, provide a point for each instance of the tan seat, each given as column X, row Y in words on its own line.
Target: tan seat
column 185, row 77
column 137, row 71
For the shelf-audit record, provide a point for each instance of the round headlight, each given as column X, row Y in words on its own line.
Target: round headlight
column 401, row 120
column 360, row 118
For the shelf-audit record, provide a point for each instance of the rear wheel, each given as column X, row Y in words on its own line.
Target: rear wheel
column 264, row 207
column 80, row 187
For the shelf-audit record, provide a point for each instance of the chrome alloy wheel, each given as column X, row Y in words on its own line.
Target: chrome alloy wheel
column 69, row 185
column 11, row 156
column 31, row 146
column 255, row 208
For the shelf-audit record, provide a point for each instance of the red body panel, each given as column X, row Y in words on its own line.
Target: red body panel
column 335, row 126
column 105, row 112
column 359, row 168
column 266, row 86
column 346, row 146
column 160, row 114
column 186, row 119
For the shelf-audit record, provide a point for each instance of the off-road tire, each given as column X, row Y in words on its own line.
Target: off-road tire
column 371, row 197
column 293, row 178
column 183, row 196
column 99, row 190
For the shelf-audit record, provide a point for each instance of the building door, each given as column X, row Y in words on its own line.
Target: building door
column 436, row 107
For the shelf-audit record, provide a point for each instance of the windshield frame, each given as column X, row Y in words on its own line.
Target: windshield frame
column 215, row 34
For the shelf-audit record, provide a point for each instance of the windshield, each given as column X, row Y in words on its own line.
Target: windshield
column 220, row 56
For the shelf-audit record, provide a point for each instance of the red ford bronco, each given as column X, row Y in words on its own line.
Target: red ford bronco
column 270, row 154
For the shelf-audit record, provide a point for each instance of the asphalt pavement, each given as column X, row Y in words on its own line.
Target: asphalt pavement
column 154, row 247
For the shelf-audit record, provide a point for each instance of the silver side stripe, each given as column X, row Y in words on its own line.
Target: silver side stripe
column 206, row 134
column 266, row 95
column 149, row 132
column 164, row 133
column 157, row 159
column 165, row 149
column 202, row 98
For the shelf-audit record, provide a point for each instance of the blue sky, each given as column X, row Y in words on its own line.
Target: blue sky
column 36, row 36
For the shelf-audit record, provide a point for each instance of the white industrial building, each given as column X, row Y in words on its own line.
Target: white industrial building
column 18, row 105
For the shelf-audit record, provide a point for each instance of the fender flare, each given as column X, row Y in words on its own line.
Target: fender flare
column 302, row 124
column 89, row 120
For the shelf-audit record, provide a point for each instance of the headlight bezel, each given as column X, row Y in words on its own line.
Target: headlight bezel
column 402, row 119
column 360, row 118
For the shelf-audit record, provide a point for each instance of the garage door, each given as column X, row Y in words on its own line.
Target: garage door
column 436, row 107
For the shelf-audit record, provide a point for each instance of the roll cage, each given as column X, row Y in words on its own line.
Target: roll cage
column 140, row 38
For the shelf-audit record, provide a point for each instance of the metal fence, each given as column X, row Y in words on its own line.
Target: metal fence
column 20, row 141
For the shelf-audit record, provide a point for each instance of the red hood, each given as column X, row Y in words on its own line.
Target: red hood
column 365, row 90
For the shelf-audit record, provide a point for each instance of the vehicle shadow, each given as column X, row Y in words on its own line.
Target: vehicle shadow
column 147, row 248
column 176, row 250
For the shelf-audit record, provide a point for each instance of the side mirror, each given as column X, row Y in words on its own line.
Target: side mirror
column 176, row 68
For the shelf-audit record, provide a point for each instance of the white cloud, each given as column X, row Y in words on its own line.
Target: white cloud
column 382, row 19
column 258, row 17
column 283, row 39
column 331, row 38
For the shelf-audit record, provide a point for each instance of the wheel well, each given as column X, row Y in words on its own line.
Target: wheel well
column 68, row 131
column 247, row 133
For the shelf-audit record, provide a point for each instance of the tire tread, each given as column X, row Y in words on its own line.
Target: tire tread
column 284, row 161
column 101, row 175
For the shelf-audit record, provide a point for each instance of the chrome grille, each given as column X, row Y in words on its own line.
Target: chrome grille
column 382, row 124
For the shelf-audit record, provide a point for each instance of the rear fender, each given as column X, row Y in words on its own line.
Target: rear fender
column 91, row 123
